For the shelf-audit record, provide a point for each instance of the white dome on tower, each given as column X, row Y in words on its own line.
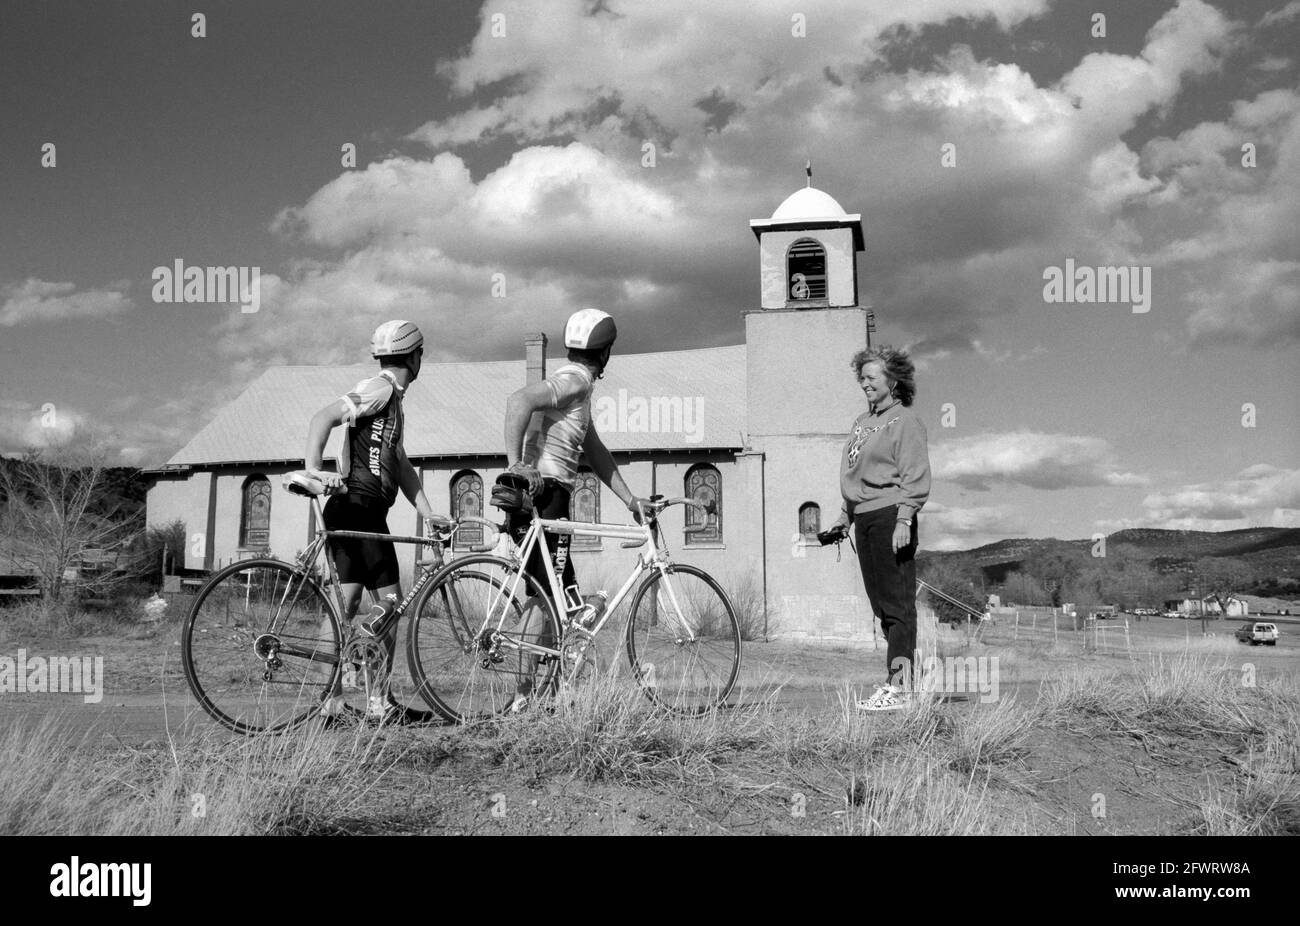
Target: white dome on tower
column 808, row 203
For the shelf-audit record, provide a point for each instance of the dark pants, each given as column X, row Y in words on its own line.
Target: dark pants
column 552, row 503
column 372, row 563
column 890, row 580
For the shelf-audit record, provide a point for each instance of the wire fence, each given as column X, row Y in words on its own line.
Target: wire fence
column 1081, row 632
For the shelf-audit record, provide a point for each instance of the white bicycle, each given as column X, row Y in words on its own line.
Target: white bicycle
column 484, row 628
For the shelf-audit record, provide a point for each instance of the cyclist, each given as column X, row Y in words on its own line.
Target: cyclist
column 373, row 467
column 544, row 451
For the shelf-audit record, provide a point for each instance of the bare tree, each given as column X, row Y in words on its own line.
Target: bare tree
column 53, row 507
column 1219, row 578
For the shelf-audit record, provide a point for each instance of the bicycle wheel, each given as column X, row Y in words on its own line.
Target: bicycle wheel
column 683, row 640
column 260, row 646
column 465, row 643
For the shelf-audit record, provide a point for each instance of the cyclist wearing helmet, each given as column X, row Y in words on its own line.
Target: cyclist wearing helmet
column 373, row 467
column 544, row 448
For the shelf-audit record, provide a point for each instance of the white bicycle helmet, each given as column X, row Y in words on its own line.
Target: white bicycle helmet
column 590, row 329
column 395, row 339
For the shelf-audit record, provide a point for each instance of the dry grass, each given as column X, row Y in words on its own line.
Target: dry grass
column 931, row 769
column 305, row 782
column 1264, row 796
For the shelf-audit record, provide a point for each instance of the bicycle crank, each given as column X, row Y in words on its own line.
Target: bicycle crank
column 362, row 656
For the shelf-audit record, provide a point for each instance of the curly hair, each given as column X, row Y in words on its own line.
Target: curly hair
column 898, row 367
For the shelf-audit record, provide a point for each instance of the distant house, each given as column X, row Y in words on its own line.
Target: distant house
column 1188, row 604
column 1280, row 606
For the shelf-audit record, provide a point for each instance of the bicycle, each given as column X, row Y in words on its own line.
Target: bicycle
column 263, row 644
column 469, row 646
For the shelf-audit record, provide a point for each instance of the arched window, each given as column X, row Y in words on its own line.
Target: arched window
column 704, row 484
column 810, row 520
column 584, row 505
column 467, row 499
column 255, row 513
column 805, row 265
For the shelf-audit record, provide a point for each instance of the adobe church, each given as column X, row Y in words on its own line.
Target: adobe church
column 757, row 428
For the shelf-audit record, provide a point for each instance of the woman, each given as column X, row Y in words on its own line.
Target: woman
column 885, row 480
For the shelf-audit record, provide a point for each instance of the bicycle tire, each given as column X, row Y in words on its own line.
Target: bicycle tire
column 225, row 673
column 687, row 677
column 446, row 641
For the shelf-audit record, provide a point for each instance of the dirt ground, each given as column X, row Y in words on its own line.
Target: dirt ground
column 443, row 787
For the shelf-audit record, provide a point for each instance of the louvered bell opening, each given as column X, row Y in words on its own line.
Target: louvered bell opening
column 806, row 271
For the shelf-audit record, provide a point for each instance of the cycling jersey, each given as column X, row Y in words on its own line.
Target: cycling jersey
column 553, row 442
column 369, row 462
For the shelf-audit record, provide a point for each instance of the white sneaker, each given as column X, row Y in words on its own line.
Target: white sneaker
column 886, row 698
column 519, row 704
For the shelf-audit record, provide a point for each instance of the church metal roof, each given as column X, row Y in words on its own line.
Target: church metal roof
column 673, row 400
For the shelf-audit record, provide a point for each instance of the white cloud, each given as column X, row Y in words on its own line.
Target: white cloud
column 582, row 221
column 1113, row 90
column 1283, row 14
column 965, row 527
column 1260, row 494
column 34, row 301
column 25, row 427
column 1040, row 461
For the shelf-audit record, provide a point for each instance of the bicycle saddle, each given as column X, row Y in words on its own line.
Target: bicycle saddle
column 300, row 482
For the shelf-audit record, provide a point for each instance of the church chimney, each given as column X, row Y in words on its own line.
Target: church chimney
column 535, row 357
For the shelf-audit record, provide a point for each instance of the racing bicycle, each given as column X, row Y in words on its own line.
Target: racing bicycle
column 484, row 629
column 264, row 642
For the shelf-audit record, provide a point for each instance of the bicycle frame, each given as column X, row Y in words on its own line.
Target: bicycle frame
column 633, row 535
column 307, row 561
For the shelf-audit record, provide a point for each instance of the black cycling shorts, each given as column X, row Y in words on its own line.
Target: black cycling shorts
column 372, row 563
column 552, row 503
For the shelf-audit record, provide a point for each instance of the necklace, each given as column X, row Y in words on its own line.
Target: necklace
column 860, row 434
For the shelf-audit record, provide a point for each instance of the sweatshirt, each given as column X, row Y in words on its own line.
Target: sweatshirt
column 888, row 467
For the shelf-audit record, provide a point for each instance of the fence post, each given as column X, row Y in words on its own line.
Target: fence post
column 1054, row 638
column 1034, row 622
column 1015, row 634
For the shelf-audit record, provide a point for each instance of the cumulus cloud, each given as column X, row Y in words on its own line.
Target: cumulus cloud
column 1039, row 461
column 1284, row 14
column 34, row 301
column 25, row 427
column 1231, row 200
column 1260, row 494
column 965, row 527
column 575, row 217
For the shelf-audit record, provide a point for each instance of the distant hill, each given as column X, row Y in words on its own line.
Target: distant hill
column 1267, row 559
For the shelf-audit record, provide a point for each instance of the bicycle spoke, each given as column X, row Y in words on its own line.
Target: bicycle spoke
column 466, row 641
column 261, row 646
column 684, row 641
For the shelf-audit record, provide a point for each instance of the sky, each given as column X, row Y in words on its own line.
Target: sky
column 501, row 181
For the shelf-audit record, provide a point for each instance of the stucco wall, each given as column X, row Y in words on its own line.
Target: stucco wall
column 840, row 265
